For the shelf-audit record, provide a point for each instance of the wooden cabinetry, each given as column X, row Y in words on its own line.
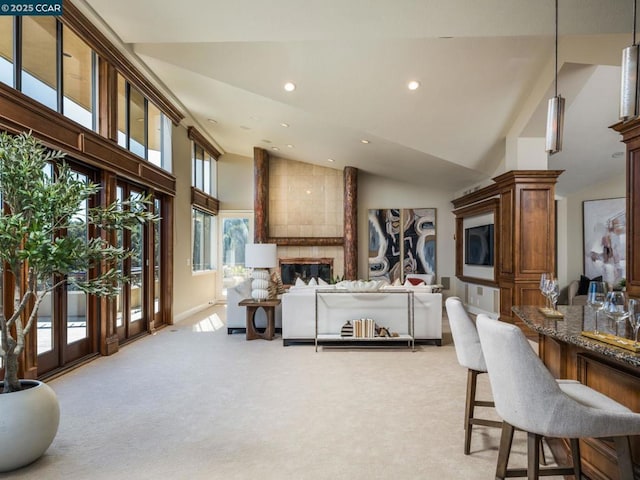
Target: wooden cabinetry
column 525, row 216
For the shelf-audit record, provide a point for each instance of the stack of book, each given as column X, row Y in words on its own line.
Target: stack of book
column 364, row 328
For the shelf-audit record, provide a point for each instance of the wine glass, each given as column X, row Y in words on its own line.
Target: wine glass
column 634, row 318
column 554, row 292
column 544, row 284
column 595, row 299
column 615, row 307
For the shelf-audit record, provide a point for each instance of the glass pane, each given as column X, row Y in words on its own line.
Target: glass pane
column 39, row 60
column 154, row 134
column 120, row 297
column 157, row 286
column 197, row 239
column 166, row 143
column 6, row 50
column 197, row 168
column 206, row 175
column 77, row 79
column 45, row 323
column 77, row 301
column 136, row 278
column 136, row 122
column 235, row 235
column 214, row 177
column 208, row 242
column 122, row 111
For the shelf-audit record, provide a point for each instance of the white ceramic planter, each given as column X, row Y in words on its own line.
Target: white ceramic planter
column 28, row 424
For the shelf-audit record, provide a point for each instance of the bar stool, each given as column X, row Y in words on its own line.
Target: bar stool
column 528, row 398
column 469, row 354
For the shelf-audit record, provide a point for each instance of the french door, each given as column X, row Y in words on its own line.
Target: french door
column 236, row 228
column 67, row 324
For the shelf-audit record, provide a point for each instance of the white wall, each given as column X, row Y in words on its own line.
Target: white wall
column 570, row 235
column 235, row 182
column 191, row 292
column 378, row 192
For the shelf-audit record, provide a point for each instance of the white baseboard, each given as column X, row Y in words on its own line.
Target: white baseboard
column 192, row 311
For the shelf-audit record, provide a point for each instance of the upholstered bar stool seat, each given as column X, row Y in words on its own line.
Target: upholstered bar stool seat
column 469, row 355
column 527, row 397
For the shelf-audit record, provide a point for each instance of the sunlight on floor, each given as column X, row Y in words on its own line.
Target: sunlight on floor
column 208, row 324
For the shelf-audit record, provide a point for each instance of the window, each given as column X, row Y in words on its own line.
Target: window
column 142, row 128
column 79, row 80
column 203, row 240
column 204, row 170
column 6, row 50
column 39, row 59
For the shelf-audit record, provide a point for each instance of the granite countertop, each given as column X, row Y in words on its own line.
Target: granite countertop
column 569, row 329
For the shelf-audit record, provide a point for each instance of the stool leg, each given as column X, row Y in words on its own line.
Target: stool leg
column 577, row 462
column 533, row 456
column 623, row 452
column 505, row 450
column 472, row 378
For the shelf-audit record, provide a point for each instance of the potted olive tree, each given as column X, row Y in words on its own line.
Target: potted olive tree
column 42, row 244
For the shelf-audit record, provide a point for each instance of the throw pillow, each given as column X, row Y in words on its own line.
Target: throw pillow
column 583, row 287
column 397, row 283
column 300, row 282
column 322, row 282
column 415, row 281
column 312, row 282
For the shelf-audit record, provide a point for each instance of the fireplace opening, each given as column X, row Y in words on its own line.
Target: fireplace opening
column 305, row 269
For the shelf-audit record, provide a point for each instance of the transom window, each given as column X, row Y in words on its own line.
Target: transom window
column 204, row 170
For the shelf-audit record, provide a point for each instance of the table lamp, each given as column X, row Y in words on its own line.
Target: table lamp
column 261, row 257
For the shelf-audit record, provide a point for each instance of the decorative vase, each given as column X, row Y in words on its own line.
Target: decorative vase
column 28, row 423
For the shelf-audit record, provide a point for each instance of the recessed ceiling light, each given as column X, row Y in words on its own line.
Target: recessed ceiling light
column 285, row 125
column 275, row 148
column 289, row 86
column 289, row 145
column 308, row 192
column 413, row 85
column 364, row 140
column 266, row 141
column 330, row 160
column 211, row 120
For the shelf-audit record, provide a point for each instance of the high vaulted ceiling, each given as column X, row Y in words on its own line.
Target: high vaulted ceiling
column 485, row 69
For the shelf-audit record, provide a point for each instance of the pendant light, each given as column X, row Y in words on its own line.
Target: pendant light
column 555, row 112
column 629, row 85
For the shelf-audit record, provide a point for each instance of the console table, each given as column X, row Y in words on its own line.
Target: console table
column 608, row 369
column 388, row 308
column 269, row 307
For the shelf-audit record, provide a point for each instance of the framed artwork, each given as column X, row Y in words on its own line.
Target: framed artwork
column 401, row 241
column 605, row 239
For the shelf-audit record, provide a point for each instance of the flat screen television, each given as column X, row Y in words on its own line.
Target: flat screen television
column 478, row 242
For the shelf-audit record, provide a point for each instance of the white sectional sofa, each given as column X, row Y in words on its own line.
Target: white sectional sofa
column 298, row 314
column 237, row 316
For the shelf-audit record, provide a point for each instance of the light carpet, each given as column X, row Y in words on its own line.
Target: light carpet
column 192, row 402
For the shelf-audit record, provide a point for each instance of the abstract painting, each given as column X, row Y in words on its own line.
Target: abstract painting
column 401, row 241
column 605, row 239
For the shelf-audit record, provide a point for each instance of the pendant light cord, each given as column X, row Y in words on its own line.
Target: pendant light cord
column 556, row 69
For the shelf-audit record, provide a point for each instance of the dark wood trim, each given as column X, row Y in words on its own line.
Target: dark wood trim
column 204, row 201
column 487, row 206
column 76, row 21
column 19, row 113
column 306, row 241
column 261, row 195
column 194, row 134
column 167, row 259
column 350, row 222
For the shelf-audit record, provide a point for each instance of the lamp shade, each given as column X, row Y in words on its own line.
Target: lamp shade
column 260, row 255
column 629, row 85
column 555, row 121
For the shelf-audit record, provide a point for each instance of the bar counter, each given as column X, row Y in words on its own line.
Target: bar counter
column 568, row 329
column 610, row 370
